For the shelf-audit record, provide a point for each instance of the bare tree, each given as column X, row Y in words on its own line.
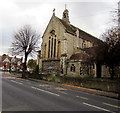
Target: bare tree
column 25, row 43
column 116, row 15
column 112, row 37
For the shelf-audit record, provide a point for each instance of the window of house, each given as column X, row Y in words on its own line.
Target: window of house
column 93, row 66
column 54, row 47
column 49, row 49
column 62, row 68
column 45, row 51
column 72, row 68
column 80, row 70
column 83, row 44
column 53, row 32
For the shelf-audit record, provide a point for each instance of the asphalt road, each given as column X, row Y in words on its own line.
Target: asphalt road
column 26, row 95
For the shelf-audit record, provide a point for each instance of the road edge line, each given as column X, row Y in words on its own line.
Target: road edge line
column 96, row 107
column 44, row 91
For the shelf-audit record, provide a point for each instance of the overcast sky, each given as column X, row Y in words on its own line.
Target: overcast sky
column 92, row 16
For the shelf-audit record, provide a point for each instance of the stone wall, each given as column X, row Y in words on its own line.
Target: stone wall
column 94, row 83
column 54, row 24
column 105, row 71
column 49, row 66
column 102, row 84
column 82, row 69
column 77, row 69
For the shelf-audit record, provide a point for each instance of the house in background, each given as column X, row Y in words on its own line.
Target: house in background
column 62, row 50
column 10, row 63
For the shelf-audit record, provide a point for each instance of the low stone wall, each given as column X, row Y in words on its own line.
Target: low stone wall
column 94, row 83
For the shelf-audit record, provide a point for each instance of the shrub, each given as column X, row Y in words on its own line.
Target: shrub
column 53, row 79
column 37, row 69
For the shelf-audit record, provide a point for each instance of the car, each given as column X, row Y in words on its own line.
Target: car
column 3, row 69
column 20, row 70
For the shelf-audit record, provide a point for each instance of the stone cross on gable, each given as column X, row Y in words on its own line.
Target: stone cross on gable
column 54, row 11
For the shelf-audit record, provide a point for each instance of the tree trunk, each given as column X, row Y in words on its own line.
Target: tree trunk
column 24, row 65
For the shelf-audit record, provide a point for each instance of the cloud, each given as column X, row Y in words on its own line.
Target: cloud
column 92, row 17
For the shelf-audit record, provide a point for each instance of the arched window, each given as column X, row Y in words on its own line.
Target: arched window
column 49, row 49
column 52, row 32
column 83, row 44
column 80, row 70
column 54, row 47
column 45, row 51
column 72, row 68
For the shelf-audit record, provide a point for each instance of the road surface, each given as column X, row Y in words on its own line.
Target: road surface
column 26, row 95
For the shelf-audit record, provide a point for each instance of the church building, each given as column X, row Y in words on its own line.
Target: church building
column 63, row 49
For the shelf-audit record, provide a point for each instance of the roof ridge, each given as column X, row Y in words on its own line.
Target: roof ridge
column 71, row 29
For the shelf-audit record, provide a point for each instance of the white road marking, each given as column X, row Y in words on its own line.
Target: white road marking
column 59, row 88
column 62, row 92
column 96, row 107
column 44, row 85
column 82, row 97
column 44, row 91
column 16, row 82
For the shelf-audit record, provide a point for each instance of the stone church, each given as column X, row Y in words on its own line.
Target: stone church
column 63, row 49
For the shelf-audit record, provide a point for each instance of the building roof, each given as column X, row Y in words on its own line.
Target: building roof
column 6, row 58
column 71, row 29
column 91, row 50
column 79, row 56
column 84, row 35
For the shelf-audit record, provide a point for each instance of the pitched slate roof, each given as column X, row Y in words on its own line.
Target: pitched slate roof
column 69, row 28
column 79, row 56
column 84, row 35
column 72, row 30
column 6, row 60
